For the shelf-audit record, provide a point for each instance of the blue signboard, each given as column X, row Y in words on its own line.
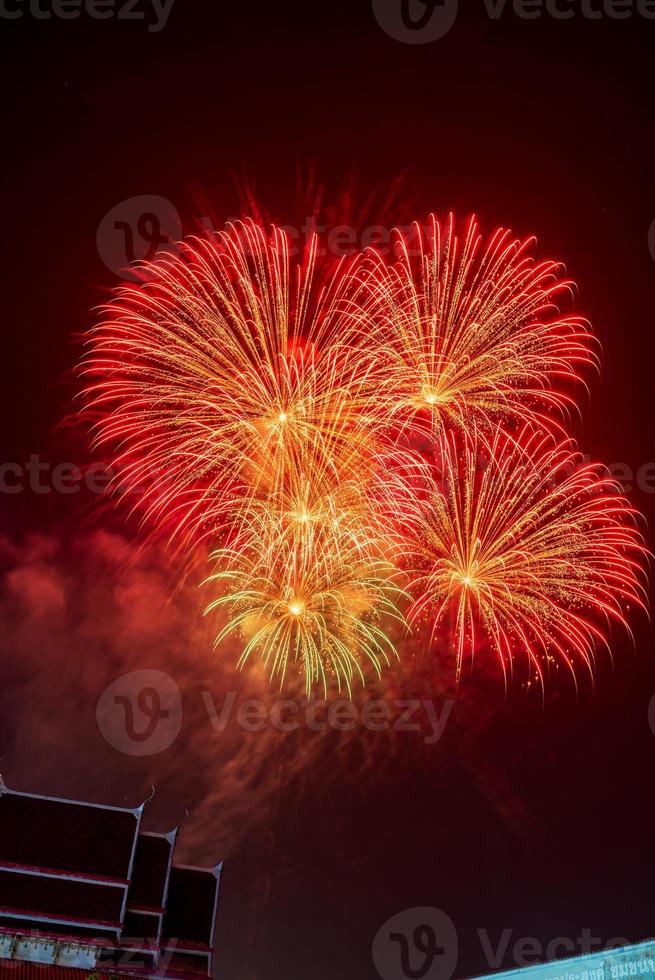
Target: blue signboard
column 607, row 964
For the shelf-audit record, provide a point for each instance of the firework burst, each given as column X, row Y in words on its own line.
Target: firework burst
column 312, row 594
column 523, row 545
column 226, row 361
column 471, row 332
column 283, row 410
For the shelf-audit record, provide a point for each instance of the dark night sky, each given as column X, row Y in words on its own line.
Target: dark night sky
column 522, row 817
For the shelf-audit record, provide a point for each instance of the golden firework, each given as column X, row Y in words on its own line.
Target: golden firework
column 315, row 594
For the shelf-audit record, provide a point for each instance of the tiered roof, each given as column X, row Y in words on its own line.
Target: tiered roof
column 190, row 919
column 82, row 886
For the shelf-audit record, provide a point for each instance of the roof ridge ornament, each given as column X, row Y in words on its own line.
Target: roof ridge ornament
column 138, row 811
column 171, row 835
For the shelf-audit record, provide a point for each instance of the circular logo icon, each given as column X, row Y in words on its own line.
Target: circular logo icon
column 140, row 713
column 137, row 228
column 651, row 714
column 417, row 944
column 416, row 21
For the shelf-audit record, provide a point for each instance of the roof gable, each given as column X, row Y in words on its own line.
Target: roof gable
column 152, row 863
column 64, row 835
column 191, row 909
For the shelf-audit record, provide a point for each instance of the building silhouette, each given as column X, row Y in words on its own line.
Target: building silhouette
column 83, row 890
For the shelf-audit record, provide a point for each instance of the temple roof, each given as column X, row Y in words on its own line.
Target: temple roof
column 82, row 839
column 152, row 863
column 191, row 910
column 72, row 869
column 61, row 897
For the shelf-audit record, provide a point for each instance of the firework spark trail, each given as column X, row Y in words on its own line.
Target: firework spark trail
column 471, row 332
column 525, row 544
